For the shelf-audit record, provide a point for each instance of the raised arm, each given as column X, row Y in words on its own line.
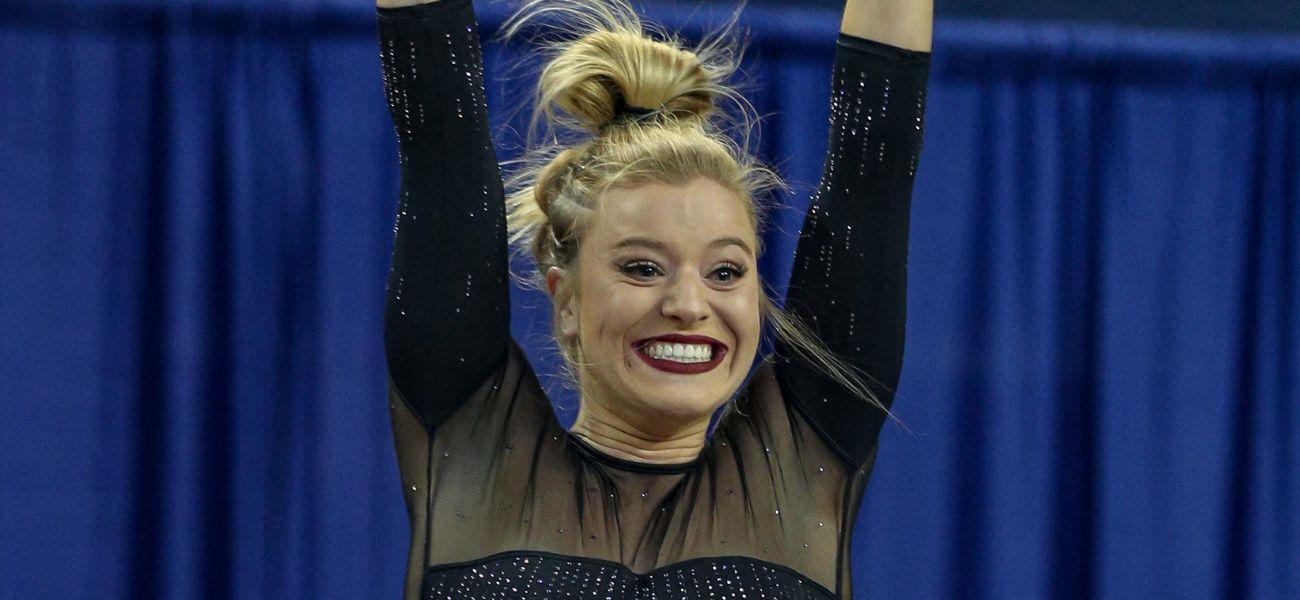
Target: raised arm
column 446, row 323
column 850, row 270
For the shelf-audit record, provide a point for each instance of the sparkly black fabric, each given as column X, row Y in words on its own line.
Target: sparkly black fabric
column 503, row 503
column 528, row 575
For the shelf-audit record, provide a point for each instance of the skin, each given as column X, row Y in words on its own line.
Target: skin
column 904, row 23
column 696, row 283
column 401, row 3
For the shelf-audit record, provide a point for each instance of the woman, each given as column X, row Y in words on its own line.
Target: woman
column 643, row 231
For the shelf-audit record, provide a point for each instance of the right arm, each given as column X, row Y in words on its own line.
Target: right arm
column 447, row 319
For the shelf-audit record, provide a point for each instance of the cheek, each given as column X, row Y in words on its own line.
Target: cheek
column 614, row 310
column 741, row 312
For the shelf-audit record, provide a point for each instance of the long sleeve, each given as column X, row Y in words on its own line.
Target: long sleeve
column 850, row 270
column 446, row 322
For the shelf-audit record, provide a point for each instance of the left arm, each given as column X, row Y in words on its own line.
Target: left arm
column 850, row 270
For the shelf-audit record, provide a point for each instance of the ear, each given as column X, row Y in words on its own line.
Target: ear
column 566, row 310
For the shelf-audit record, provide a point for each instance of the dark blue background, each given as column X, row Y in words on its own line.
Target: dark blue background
column 196, row 203
column 1220, row 15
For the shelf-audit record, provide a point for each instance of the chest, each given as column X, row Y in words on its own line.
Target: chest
column 551, row 498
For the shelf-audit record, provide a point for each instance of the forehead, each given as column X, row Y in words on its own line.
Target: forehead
column 692, row 214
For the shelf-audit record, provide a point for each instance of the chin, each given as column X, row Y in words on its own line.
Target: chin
column 680, row 411
column 685, row 402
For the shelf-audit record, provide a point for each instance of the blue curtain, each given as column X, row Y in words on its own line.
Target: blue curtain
column 1102, row 383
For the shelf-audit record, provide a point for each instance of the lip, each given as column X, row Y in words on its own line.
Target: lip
column 719, row 351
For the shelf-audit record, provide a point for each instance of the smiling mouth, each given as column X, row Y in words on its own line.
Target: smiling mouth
column 679, row 358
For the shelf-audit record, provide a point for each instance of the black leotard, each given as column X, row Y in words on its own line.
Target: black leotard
column 503, row 503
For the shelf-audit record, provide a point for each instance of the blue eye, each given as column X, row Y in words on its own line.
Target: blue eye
column 640, row 269
column 732, row 272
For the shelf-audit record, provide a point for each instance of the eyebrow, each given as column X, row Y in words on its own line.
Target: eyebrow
column 662, row 247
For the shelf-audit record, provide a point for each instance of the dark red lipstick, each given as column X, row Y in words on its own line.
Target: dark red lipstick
column 719, row 350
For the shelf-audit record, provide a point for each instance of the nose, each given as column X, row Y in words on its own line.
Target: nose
column 685, row 301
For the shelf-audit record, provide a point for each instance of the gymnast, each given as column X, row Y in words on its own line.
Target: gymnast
column 640, row 208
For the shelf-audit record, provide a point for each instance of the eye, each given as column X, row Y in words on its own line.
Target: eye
column 640, row 269
column 729, row 272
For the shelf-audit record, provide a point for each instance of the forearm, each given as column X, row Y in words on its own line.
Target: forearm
column 903, row 23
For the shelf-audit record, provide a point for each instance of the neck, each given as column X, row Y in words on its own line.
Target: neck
column 618, row 438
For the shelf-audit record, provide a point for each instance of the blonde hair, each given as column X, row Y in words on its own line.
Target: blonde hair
column 620, row 103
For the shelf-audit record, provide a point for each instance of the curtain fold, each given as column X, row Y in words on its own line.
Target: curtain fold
column 196, row 204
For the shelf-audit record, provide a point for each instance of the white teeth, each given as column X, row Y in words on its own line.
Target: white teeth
column 682, row 353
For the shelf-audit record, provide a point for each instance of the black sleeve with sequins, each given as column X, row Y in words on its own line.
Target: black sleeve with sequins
column 446, row 323
column 849, row 280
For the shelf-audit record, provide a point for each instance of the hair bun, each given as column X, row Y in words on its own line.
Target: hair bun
column 604, row 65
column 623, row 110
column 605, row 75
